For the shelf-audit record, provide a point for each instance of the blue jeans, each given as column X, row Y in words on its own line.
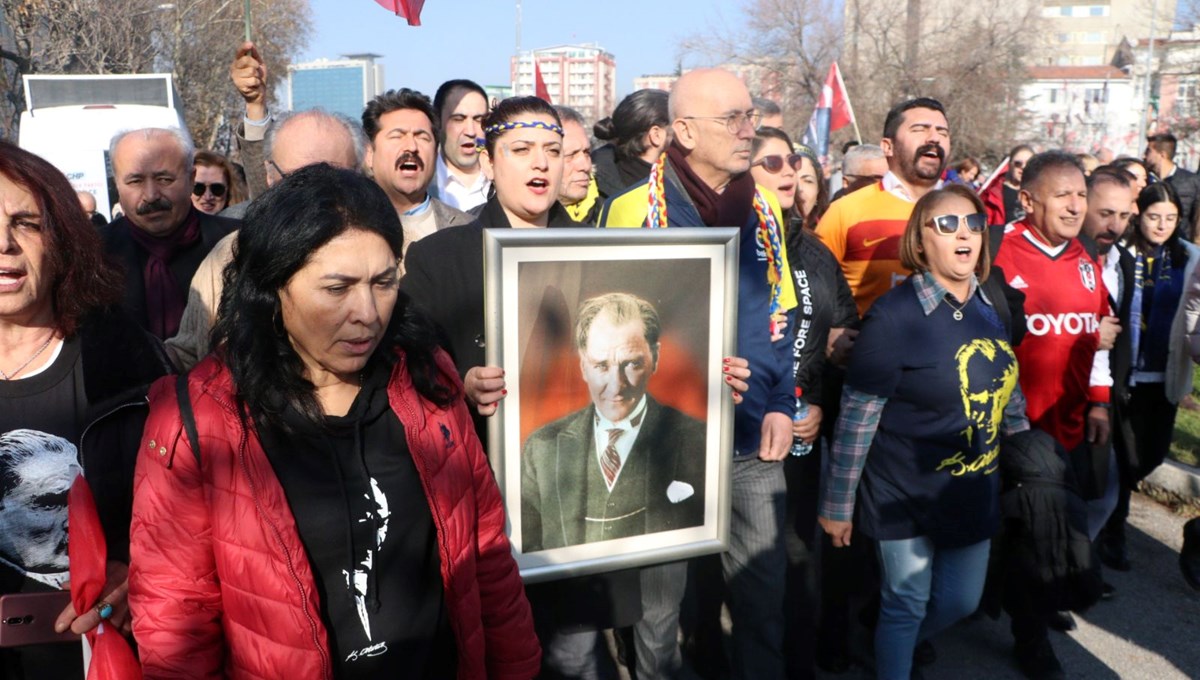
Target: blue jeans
column 924, row 591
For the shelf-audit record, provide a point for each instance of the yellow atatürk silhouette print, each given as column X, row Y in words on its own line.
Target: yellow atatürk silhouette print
column 984, row 402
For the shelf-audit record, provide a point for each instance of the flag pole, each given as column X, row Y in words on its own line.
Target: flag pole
column 842, row 84
column 246, row 19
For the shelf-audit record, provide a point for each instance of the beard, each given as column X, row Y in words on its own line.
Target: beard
column 913, row 169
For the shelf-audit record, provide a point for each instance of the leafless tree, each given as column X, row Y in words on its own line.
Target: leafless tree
column 783, row 47
column 970, row 55
column 973, row 57
column 194, row 40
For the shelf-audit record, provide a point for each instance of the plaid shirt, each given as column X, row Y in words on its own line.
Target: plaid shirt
column 861, row 411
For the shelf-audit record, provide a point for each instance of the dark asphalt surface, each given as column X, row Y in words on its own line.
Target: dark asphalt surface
column 1149, row 631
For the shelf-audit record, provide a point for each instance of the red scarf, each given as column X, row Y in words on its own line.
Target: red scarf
column 730, row 208
column 165, row 297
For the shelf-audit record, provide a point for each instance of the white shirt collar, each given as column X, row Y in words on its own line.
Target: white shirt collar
column 892, row 185
column 624, row 445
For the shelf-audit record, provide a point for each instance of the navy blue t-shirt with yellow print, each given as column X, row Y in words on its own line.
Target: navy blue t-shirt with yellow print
column 932, row 466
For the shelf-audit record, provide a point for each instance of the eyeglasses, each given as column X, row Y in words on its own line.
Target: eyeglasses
column 855, row 178
column 734, row 122
column 216, row 188
column 1017, row 164
column 774, row 163
column 947, row 225
column 271, row 162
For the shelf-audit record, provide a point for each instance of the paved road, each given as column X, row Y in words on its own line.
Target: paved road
column 1150, row 631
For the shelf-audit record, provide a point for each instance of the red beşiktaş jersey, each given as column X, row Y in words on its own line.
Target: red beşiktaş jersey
column 1061, row 368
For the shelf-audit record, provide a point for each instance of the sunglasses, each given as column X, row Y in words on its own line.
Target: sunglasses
column 216, row 188
column 774, row 163
column 947, row 225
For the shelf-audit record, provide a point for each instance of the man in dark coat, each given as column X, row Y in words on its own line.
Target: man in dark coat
column 625, row 465
column 1111, row 192
column 1160, row 159
column 161, row 239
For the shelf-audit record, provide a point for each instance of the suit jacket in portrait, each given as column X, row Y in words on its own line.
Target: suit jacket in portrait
column 558, row 459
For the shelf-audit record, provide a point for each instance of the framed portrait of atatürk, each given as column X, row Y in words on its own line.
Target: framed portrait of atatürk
column 613, row 445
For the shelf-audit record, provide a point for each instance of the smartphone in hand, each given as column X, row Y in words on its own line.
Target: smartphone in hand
column 28, row 618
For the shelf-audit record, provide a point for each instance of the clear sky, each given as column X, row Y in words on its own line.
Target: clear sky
column 475, row 38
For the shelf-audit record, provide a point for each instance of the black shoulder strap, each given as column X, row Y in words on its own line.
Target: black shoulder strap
column 995, row 238
column 185, row 410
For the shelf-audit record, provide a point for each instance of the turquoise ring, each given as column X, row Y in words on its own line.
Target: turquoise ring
column 104, row 609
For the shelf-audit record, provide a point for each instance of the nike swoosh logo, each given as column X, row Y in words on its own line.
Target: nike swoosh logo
column 872, row 242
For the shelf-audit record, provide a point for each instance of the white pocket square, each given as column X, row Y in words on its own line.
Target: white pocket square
column 679, row 491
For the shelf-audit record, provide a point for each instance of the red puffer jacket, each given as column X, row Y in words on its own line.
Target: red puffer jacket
column 219, row 583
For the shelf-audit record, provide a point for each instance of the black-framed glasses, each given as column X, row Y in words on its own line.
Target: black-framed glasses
column 217, row 189
column 947, row 225
column 271, row 162
column 855, row 178
column 774, row 162
column 734, row 122
column 1017, row 164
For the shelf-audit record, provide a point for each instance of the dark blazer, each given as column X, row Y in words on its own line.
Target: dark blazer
column 121, row 247
column 443, row 274
column 554, row 474
column 1187, row 186
column 1120, row 361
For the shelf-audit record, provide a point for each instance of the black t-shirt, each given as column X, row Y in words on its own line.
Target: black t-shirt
column 1013, row 210
column 361, row 510
column 931, row 470
column 41, row 420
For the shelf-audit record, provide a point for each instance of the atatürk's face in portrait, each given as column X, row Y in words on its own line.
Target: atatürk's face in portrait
column 37, row 471
column 617, row 362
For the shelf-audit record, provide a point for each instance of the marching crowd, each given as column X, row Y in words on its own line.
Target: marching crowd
column 273, row 377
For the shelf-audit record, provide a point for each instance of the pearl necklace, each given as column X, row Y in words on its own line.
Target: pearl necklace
column 10, row 376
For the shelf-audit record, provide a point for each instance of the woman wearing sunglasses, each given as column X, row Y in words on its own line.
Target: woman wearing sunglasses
column 215, row 187
column 794, row 176
column 817, row 275
column 930, row 388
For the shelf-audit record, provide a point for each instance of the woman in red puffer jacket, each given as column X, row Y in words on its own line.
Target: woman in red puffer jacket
column 336, row 517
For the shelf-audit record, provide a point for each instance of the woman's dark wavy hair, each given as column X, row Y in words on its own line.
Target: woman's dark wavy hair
column 508, row 110
column 631, row 120
column 283, row 228
column 83, row 279
column 1159, row 192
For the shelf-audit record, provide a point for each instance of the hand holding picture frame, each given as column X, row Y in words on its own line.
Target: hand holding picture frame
column 613, row 447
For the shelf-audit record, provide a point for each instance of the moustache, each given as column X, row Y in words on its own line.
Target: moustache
column 157, row 205
column 410, row 157
column 926, row 148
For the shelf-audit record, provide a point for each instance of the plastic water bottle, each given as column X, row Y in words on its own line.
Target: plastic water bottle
column 799, row 446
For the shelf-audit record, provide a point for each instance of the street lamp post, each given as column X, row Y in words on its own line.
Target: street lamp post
column 1145, row 120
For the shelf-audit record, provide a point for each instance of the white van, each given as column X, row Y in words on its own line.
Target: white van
column 70, row 121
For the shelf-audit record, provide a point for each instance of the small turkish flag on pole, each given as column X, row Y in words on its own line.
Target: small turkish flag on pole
column 539, row 85
column 409, row 9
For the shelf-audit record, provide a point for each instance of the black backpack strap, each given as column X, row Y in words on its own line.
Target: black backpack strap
column 995, row 238
column 189, row 417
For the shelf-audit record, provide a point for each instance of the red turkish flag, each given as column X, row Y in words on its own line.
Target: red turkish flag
column 539, row 85
column 112, row 659
column 834, row 98
column 409, row 9
column 1000, row 171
